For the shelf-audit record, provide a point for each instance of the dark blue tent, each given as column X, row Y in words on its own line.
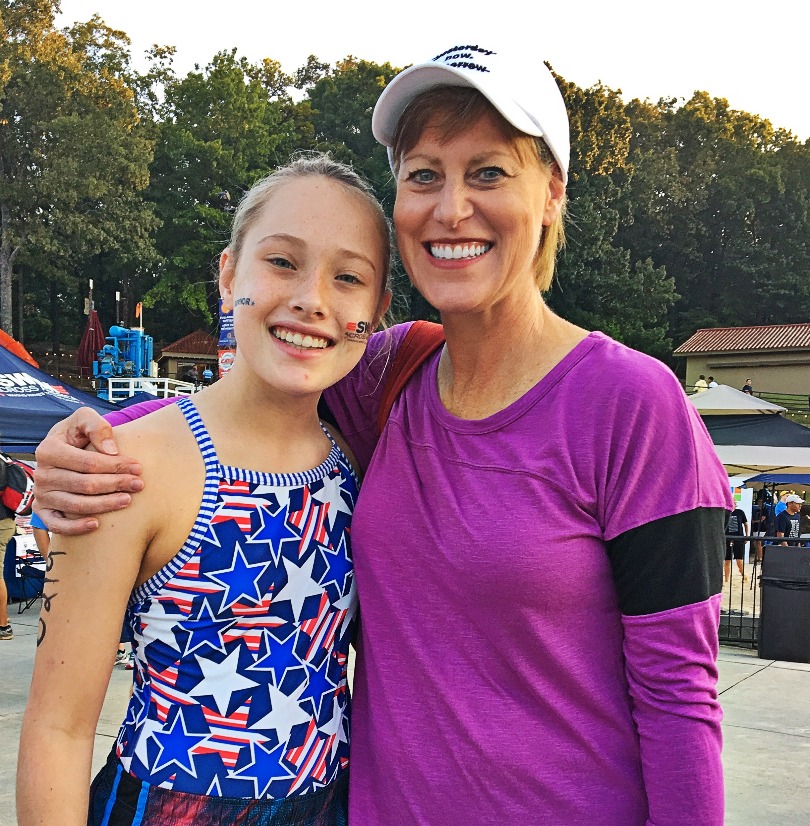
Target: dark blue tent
column 31, row 402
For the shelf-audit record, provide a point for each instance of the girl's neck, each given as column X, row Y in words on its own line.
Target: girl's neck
column 262, row 430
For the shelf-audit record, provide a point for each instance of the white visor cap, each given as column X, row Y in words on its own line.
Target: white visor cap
column 519, row 86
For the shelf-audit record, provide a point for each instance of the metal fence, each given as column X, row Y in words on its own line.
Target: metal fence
column 123, row 388
column 742, row 596
column 740, row 610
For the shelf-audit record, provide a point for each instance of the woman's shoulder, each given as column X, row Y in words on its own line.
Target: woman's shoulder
column 160, row 425
column 364, row 384
column 161, row 443
column 623, row 368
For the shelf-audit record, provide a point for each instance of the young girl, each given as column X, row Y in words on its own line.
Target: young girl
column 240, row 709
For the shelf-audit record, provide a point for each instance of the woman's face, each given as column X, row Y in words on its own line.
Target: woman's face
column 307, row 286
column 469, row 215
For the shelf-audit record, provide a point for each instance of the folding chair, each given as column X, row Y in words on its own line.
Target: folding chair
column 24, row 571
column 31, row 571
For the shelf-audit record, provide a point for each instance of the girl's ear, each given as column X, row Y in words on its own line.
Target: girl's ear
column 227, row 273
column 382, row 308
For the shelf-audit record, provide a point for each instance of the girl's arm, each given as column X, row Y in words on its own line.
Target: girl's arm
column 75, row 652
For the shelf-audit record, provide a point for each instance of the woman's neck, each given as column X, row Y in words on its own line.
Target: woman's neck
column 493, row 358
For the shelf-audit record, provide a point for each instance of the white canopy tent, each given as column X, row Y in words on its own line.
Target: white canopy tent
column 724, row 400
column 750, row 435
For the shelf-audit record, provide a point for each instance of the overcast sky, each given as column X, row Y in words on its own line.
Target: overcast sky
column 755, row 54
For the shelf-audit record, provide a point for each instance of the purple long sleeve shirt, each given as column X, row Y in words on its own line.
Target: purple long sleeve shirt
column 498, row 680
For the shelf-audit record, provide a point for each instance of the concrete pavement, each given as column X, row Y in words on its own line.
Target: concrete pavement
column 766, row 729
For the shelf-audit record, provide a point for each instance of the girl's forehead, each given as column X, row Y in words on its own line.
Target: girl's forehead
column 311, row 198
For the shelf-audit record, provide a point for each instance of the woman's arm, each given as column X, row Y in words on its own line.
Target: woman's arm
column 664, row 516
column 668, row 576
column 72, row 483
column 74, row 659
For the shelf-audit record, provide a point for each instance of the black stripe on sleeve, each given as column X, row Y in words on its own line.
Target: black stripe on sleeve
column 670, row 562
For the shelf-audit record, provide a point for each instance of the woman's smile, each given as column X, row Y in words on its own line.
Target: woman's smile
column 305, row 341
column 458, row 250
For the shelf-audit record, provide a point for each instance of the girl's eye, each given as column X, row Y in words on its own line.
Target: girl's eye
column 278, row 261
column 490, row 173
column 422, row 176
column 349, row 278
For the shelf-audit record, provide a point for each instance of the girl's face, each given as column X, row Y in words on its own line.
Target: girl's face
column 307, row 288
column 469, row 216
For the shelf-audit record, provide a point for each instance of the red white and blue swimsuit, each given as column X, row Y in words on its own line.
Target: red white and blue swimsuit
column 242, row 639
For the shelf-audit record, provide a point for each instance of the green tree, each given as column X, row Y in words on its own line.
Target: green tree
column 720, row 199
column 73, row 156
column 602, row 284
column 222, row 129
column 342, row 101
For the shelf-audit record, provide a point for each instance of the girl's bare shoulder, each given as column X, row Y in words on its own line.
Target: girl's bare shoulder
column 166, row 449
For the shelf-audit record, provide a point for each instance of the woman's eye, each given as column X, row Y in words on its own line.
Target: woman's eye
column 490, row 173
column 349, row 278
column 277, row 261
column 422, row 176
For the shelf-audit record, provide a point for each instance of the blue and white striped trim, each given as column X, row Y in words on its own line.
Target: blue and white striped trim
column 212, row 476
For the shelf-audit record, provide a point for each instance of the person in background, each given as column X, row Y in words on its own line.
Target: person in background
column 41, row 535
column 788, row 522
column 534, row 648
column 759, row 521
column 748, row 387
column 700, row 384
column 781, row 505
column 737, row 525
column 712, row 382
column 13, row 482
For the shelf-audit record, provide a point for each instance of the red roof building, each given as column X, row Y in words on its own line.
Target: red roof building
column 776, row 357
column 189, row 356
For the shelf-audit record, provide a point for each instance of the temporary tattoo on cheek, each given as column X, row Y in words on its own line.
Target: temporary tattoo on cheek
column 358, row 331
column 244, row 302
column 47, row 598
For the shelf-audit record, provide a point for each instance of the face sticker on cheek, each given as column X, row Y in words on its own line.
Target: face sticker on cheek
column 358, row 331
column 245, row 301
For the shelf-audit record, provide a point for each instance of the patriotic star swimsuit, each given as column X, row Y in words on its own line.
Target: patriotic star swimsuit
column 241, row 644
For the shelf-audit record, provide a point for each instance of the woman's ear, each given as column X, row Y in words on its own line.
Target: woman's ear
column 227, row 273
column 556, row 199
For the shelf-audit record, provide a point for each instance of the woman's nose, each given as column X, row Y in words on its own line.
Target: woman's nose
column 453, row 205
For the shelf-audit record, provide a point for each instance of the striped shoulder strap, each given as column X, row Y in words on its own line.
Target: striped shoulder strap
column 200, row 432
column 420, row 342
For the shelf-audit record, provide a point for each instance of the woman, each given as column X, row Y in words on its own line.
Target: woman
column 540, row 598
column 240, row 704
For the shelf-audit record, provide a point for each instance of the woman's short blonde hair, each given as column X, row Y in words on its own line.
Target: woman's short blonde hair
column 454, row 109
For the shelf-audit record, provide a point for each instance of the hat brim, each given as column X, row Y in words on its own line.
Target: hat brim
column 412, row 82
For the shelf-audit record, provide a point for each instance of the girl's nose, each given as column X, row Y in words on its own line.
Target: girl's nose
column 309, row 295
